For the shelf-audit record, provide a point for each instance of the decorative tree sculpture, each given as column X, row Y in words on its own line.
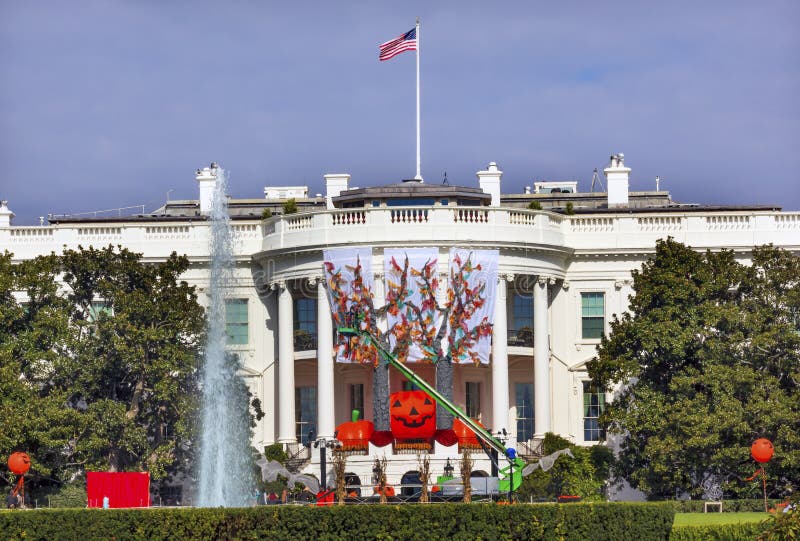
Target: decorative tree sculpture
column 443, row 339
column 466, row 474
column 424, row 477
column 440, row 333
column 339, row 467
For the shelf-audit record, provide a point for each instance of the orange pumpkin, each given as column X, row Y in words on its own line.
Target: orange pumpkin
column 762, row 450
column 412, row 415
column 19, row 463
column 466, row 436
column 355, row 433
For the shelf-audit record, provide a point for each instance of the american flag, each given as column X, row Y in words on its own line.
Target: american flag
column 404, row 42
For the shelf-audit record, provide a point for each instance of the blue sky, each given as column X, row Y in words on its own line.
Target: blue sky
column 107, row 104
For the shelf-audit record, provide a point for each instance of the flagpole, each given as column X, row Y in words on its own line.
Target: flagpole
column 419, row 168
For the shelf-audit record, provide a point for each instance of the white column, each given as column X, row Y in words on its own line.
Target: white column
column 286, row 414
column 500, row 360
column 326, row 422
column 541, row 360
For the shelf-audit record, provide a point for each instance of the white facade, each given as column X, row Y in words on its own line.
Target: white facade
column 556, row 272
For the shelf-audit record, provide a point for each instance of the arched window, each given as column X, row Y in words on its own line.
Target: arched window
column 478, row 473
column 410, row 478
column 352, row 485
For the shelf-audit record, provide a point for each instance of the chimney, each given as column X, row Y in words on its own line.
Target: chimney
column 489, row 182
column 207, row 181
column 5, row 214
column 617, row 176
column 335, row 183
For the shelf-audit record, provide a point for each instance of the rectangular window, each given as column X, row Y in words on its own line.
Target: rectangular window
column 521, row 333
column 523, row 311
column 305, row 324
column 524, row 401
column 594, row 402
column 473, row 399
column 357, row 398
column 592, row 315
column 305, row 414
column 236, row 321
column 99, row 308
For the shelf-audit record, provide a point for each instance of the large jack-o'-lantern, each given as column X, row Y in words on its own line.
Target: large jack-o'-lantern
column 413, row 415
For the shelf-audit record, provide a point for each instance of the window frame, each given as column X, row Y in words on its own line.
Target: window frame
column 472, row 399
column 581, row 317
column 589, row 391
column 229, row 324
column 531, row 418
column 303, row 426
column 351, row 391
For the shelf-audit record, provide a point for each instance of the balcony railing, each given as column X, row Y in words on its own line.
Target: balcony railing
column 520, row 337
column 305, row 340
column 499, row 225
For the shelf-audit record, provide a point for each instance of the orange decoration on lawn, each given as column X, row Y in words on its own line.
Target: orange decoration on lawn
column 19, row 463
column 762, row 450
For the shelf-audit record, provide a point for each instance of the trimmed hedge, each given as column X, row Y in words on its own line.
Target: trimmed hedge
column 612, row 521
column 728, row 506
column 746, row 531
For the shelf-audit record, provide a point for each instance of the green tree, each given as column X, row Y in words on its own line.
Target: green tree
column 290, row 206
column 707, row 360
column 99, row 365
column 584, row 474
column 535, row 205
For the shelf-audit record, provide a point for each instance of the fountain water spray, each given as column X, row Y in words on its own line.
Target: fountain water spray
column 225, row 472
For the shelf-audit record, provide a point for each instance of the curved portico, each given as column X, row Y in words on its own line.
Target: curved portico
column 532, row 260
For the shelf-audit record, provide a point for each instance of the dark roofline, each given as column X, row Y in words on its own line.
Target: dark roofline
column 681, row 207
column 141, row 218
column 411, row 190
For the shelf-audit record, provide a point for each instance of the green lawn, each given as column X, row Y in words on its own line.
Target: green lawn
column 702, row 519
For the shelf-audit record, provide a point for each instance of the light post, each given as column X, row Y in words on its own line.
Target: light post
column 448, row 469
column 323, row 444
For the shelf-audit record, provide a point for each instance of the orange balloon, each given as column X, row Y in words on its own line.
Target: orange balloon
column 762, row 450
column 19, row 463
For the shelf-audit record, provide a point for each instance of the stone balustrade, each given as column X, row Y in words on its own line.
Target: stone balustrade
column 500, row 227
column 156, row 240
column 520, row 227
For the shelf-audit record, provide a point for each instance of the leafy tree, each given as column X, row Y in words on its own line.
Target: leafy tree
column 584, row 474
column 706, row 361
column 266, row 214
column 99, row 366
column 290, row 206
column 535, row 205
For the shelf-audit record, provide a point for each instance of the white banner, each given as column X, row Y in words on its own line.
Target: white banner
column 349, row 279
column 471, row 297
column 411, row 314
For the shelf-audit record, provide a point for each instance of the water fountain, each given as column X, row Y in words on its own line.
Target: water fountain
column 225, row 471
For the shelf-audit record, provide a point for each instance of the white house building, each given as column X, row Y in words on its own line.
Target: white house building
column 564, row 269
